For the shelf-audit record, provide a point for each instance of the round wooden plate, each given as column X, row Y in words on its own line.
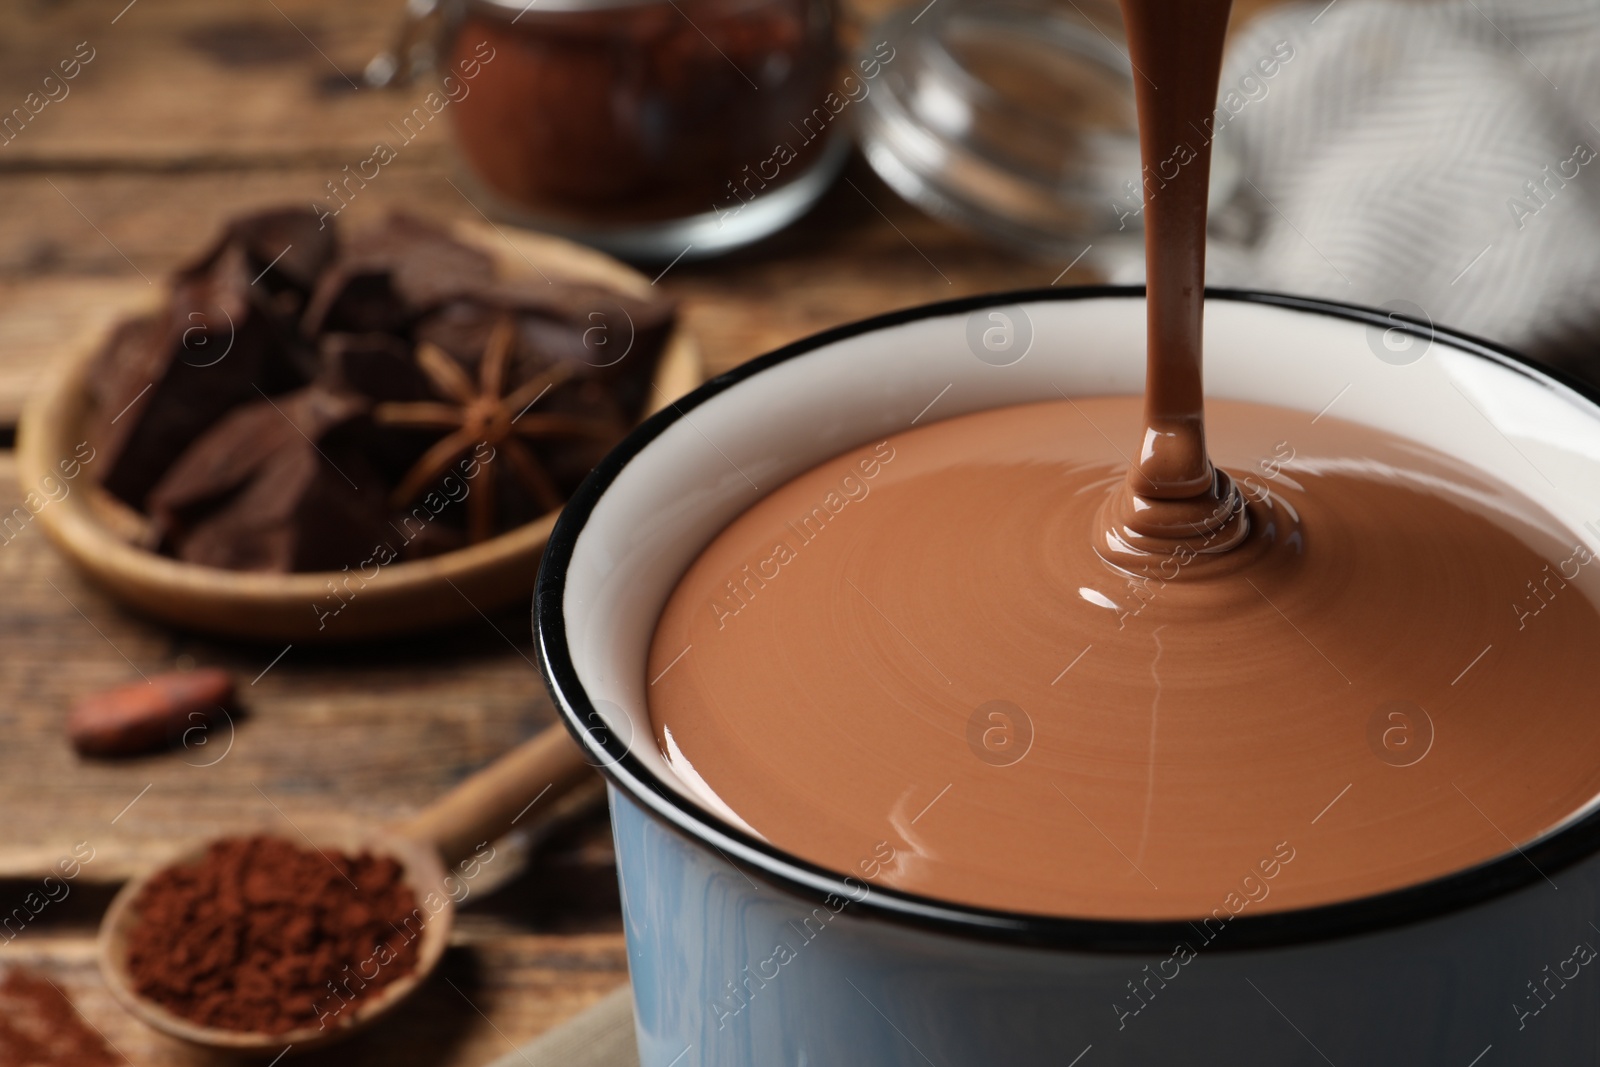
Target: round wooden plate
column 96, row 532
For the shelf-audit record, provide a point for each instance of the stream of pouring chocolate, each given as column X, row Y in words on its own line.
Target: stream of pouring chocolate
column 997, row 661
column 1174, row 495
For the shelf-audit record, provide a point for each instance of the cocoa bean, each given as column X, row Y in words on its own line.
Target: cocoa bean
column 150, row 715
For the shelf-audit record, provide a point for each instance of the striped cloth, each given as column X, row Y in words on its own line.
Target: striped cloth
column 1439, row 153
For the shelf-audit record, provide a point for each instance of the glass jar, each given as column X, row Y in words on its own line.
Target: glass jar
column 648, row 128
column 1016, row 119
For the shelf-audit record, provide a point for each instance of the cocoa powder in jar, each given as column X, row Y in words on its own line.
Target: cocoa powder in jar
column 641, row 112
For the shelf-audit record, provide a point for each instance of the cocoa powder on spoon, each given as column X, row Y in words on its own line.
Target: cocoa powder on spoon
column 262, row 935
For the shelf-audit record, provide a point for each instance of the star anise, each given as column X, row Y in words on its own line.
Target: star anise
column 483, row 413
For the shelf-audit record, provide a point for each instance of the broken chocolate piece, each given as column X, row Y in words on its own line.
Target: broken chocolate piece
column 160, row 386
column 286, row 251
column 299, row 514
column 233, row 452
column 378, row 366
column 301, row 400
column 278, row 485
column 385, row 277
column 287, row 247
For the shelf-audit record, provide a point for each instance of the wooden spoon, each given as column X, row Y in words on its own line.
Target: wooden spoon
column 547, row 767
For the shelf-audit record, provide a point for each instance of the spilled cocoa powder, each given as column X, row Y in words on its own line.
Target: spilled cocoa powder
column 40, row 1027
column 264, row 936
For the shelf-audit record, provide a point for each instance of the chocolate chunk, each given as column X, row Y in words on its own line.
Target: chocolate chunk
column 299, row 514
column 354, row 298
column 127, row 358
column 381, row 368
column 287, row 247
column 159, row 385
column 276, row 486
column 378, row 366
column 240, row 443
column 385, row 277
column 461, row 328
column 277, row 409
column 430, row 266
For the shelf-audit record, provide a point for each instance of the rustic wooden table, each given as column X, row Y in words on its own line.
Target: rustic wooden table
column 188, row 112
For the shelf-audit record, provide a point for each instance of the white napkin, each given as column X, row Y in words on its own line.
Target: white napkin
column 1442, row 154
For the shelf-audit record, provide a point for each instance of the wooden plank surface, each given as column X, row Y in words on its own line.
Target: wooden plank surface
column 183, row 84
column 189, row 112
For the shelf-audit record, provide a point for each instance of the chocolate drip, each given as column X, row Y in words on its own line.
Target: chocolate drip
column 1174, row 499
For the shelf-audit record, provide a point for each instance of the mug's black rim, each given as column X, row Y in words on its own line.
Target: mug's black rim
column 1428, row 900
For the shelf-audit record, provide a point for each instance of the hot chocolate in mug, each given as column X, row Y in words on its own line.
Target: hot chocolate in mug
column 744, row 952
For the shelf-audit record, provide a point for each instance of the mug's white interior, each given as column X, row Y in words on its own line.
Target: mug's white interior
column 722, row 456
